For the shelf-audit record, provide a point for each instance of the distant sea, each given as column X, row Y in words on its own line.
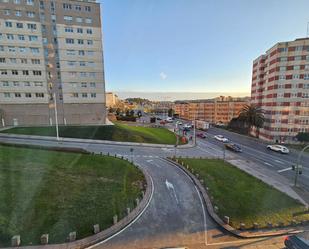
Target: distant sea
column 172, row 96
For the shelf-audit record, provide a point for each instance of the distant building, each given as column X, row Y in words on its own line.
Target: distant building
column 51, row 48
column 111, row 99
column 218, row 110
column 280, row 86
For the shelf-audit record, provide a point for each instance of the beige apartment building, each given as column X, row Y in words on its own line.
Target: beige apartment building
column 111, row 99
column 51, row 54
column 280, row 86
column 218, row 110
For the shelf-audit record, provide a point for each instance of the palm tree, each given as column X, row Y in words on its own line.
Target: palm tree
column 252, row 116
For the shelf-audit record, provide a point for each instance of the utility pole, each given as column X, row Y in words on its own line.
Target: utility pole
column 56, row 116
column 298, row 166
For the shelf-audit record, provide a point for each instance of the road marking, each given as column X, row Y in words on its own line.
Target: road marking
column 282, row 170
column 130, row 224
column 204, row 215
column 268, row 164
column 278, row 161
column 149, row 161
column 170, row 186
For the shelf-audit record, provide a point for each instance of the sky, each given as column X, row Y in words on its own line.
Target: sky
column 193, row 45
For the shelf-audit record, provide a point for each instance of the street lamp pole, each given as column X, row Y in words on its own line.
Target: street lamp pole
column 56, row 116
column 298, row 164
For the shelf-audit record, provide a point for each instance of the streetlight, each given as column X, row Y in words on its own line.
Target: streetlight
column 298, row 166
column 131, row 150
column 56, row 116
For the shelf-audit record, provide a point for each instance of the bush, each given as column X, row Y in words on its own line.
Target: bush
column 303, row 136
column 126, row 118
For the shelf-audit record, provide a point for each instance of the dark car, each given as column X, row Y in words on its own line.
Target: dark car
column 233, row 147
column 201, row 135
column 297, row 241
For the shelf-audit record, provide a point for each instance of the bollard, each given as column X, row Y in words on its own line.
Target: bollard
column 16, row 240
column 128, row 210
column 72, row 236
column 137, row 201
column 216, row 209
column 115, row 219
column 227, row 219
column 96, row 228
column 44, row 239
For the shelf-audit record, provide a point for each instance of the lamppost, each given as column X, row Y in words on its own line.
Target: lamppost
column 298, row 166
column 131, row 150
column 56, row 116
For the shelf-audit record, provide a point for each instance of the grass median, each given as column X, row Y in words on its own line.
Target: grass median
column 118, row 132
column 59, row 192
column 244, row 198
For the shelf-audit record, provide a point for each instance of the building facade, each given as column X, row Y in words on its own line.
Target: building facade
column 111, row 99
column 51, row 54
column 218, row 110
column 280, row 86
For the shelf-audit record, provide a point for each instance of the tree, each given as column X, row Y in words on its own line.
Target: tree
column 252, row 116
column 238, row 125
column 170, row 112
column 303, row 137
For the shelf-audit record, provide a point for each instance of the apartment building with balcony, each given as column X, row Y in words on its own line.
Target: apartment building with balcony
column 217, row 110
column 280, row 86
column 51, row 53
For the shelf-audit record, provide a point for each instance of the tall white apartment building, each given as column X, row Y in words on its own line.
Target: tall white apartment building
column 51, row 53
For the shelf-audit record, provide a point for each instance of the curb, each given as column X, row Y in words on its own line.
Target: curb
column 218, row 220
column 109, row 232
column 93, row 141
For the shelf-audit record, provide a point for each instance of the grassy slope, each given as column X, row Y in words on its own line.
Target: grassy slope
column 57, row 193
column 118, row 132
column 243, row 197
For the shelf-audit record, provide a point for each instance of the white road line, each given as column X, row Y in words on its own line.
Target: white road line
column 278, row 161
column 171, row 186
column 268, row 164
column 204, row 215
column 149, row 161
column 130, row 224
column 282, row 170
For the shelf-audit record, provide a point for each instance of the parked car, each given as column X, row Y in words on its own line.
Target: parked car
column 187, row 126
column 179, row 122
column 158, row 118
column 201, row 135
column 297, row 241
column 169, row 120
column 233, row 147
column 221, row 138
column 162, row 122
column 278, row 148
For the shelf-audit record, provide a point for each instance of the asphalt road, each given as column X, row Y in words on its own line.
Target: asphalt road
column 176, row 216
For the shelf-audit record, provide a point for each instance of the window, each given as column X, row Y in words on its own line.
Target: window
column 19, row 25
column 39, row 95
column 2, row 60
column 74, row 95
column 38, row 84
column 1, row 36
column 82, row 63
column 283, row 49
column 14, row 72
column 69, row 41
column 88, row 20
column 83, row 74
column 90, row 53
column 16, row 83
column 35, row 50
column 68, row 18
column 17, row 95
column 21, row 37
column 92, row 84
column 282, row 68
column 25, row 72
column 87, row 8
column 306, row 76
column 9, row 36
column 17, row 1
column 6, row 12
column 84, row 95
column 35, row 61
column 67, row 6
column 281, row 77
column 7, row 95
column 17, row 13
column 30, row 2
column 12, row 49
column 31, row 26
column 89, row 42
column 23, row 61
column 297, row 58
column 93, row 95
column 92, row 75
column 91, row 64
column 68, row 30
column 1, row 48
column 28, row 95
column 283, row 59
column 71, row 63
column 79, row 19
column 298, row 48
column 3, row 72
column 70, row 52
column 8, row 24
column 78, row 7
column 79, row 30
column 33, row 38
column 81, row 52
column 89, row 31
column 295, row 76
column 72, row 74
column 27, row 83
column 83, row 84
column 296, row 67
column 30, row 14
column 13, row 60
column 5, row 83
column 37, row 73
column 80, row 41
column 22, row 49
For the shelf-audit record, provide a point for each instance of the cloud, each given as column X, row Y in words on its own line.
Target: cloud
column 163, row 76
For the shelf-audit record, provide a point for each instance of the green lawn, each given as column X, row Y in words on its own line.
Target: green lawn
column 117, row 132
column 243, row 197
column 53, row 192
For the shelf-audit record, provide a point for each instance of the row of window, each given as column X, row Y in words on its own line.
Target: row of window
column 82, row 74
column 26, row 95
column 19, row 25
column 78, row 41
column 22, row 61
column 83, row 84
column 80, row 63
column 295, row 67
column 28, row 2
column 77, row 19
column 297, row 48
column 83, row 95
column 22, row 72
column 19, row 84
column 78, row 30
column 13, row 49
column 293, row 58
column 18, row 13
column 79, row 52
column 11, row 37
column 68, row 6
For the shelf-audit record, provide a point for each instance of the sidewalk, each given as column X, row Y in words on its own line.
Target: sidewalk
column 93, row 141
column 270, row 177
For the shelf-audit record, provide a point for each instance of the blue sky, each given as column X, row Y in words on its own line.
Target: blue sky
column 193, row 45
